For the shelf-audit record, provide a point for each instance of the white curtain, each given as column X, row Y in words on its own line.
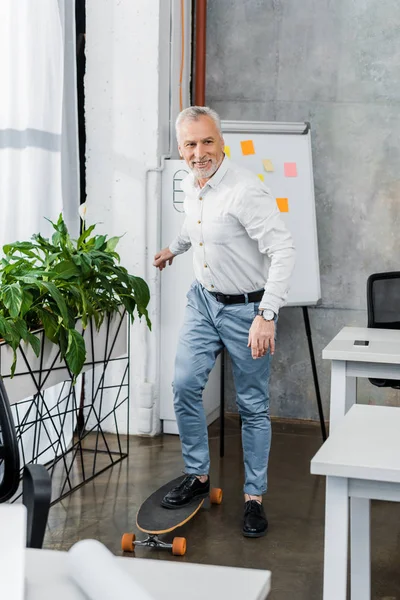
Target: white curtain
column 38, row 120
column 38, row 127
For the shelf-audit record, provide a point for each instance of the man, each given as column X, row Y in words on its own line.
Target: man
column 243, row 259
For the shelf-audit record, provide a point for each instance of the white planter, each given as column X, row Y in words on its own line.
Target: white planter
column 34, row 374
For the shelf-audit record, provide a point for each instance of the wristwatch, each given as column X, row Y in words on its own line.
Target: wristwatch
column 267, row 314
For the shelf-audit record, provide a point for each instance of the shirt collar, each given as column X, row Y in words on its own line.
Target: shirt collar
column 188, row 185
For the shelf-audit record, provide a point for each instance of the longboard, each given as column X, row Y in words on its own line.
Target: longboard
column 155, row 520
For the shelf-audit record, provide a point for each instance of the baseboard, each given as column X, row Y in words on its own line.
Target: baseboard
column 170, row 425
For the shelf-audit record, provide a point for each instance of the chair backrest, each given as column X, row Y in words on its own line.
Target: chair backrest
column 383, row 300
column 9, row 453
column 383, row 304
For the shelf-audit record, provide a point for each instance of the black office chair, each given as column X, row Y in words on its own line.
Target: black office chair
column 36, row 482
column 383, row 304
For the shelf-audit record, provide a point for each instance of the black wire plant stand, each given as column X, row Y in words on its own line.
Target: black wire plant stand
column 65, row 426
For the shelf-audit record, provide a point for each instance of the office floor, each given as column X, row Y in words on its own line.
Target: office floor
column 293, row 548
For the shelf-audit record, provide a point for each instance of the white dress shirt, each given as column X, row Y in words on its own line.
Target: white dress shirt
column 239, row 240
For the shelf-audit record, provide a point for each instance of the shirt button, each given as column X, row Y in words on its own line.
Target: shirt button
column 201, row 243
column 201, row 198
column 199, row 222
column 212, row 286
column 205, row 266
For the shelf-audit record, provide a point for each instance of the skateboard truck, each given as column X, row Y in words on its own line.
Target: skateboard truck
column 129, row 542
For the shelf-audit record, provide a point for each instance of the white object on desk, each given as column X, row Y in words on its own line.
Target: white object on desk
column 47, row 578
column 94, row 569
column 12, row 550
column 379, row 360
column 361, row 460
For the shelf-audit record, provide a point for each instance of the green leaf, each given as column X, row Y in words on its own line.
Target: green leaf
column 112, row 243
column 21, row 329
column 50, row 324
column 12, row 298
column 76, row 351
column 61, row 226
column 27, row 300
column 66, row 269
column 86, row 309
column 84, row 235
column 57, row 238
column 63, row 341
column 34, row 342
column 86, row 264
column 100, row 239
column 141, row 290
column 142, row 296
column 129, row 304
column 56, row 295
column 29, row 279
column 5, row 329
column 18, row 246
column 44, row 242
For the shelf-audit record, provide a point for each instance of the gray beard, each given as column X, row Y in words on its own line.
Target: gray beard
column 208, row 173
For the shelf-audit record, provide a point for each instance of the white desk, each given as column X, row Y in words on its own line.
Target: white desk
column 47, row 578
column 361, row 461
column 381, row 360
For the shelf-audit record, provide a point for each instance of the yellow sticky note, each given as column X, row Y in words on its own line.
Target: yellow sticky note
column 283, row 204
column 227, row 151
column 261, row 176
column 268, row 166
column 247, row 147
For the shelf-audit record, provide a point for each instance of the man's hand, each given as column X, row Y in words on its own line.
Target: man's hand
column 162, row 258
column 261, row 337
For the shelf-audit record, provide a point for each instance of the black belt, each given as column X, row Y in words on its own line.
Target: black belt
column 238, row 298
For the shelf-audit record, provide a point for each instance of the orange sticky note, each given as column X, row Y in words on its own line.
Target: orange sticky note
column 247, row 147
column 227, row 151
column 283, row 204
column 268, row 166
column 290, row 169
column 261, row 176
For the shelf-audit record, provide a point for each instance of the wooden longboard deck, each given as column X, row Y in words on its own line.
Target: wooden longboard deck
column 154, row 518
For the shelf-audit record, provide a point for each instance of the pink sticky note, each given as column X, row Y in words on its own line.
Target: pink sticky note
column 290, row 169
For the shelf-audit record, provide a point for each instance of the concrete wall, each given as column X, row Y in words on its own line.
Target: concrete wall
column 335, row 64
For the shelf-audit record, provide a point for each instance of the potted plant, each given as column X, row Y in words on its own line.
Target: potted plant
column 51, row 289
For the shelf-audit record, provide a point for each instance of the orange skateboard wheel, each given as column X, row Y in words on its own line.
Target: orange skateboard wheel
column 216, row 496
column 179, row 546
column 128, row 542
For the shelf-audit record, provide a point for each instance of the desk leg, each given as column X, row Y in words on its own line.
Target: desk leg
column 351, row 392
column 343, row 392
column 360, row 548
column 336, row 542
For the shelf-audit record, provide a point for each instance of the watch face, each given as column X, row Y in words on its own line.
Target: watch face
column 268, row 315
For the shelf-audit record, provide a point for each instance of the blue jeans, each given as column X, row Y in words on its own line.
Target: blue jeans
column 208, row 326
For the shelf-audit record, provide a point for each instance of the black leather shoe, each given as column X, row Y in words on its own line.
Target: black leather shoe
column 255, row 522
column 189, row 489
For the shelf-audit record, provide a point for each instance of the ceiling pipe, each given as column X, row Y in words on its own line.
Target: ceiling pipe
column 200, row 62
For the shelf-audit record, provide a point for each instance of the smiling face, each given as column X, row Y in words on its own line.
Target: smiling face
column 201, row 145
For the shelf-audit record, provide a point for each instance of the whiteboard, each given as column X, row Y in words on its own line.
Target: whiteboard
column 284, row 144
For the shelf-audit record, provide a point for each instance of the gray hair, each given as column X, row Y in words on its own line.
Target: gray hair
column 193, row 113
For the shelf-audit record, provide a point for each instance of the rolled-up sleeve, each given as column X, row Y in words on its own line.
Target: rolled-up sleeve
column 182, row 241
column 258, row 213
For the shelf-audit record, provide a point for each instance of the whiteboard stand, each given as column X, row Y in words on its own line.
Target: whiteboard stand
column 314, row 372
